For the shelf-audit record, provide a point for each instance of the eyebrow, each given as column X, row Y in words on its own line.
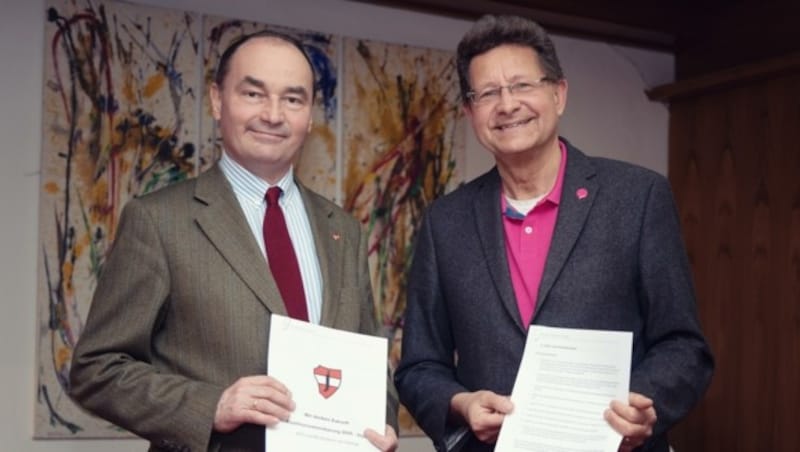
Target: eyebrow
column 513, row 79
column 299, row 90
column 253, row 81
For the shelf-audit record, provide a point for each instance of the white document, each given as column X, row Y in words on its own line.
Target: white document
column 567, row 379
column 338, row 384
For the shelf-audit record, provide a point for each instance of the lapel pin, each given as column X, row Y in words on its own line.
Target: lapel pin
column 582, row 193
column 336, row 236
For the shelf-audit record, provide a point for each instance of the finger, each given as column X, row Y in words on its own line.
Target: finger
column 273, row 396
column 258, row 386
column 618, row 423
column 488, row 436
column 232, row 412
column 497, row 403
column 260, row 418
column 486, row 426
column 483, row 419
column 637, row 433
column 645, row 418
column 639, row 401
column 386, row 442
column 265, row 381
column 629, row 413
column 374, row 437
column 270, row 408
column 649, row 416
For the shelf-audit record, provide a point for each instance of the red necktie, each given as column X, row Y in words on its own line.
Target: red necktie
column 281, row 257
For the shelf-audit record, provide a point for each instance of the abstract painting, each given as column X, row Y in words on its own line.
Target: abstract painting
column 126, row 112
column 119, row 121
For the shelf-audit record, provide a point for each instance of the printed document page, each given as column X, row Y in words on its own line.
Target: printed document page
column 338, row 383
column 567, row 379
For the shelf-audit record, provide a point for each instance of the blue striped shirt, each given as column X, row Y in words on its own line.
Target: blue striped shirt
column 250, row 190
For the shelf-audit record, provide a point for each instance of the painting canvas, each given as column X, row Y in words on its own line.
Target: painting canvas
column 119, row 121
column 403, row 137
column 126, row 112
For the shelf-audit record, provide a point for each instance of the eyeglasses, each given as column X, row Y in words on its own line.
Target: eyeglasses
column 491, row 96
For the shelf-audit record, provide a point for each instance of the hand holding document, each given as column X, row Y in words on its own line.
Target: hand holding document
column 338, row 383
column 566, row 380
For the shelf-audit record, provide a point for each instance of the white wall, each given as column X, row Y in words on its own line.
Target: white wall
column 607, row 114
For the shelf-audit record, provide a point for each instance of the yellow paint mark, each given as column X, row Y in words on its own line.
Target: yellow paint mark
column 325, row 134
column 51, row 188
column 128, row 89
column 98, row 196
column 153, row 85
column 63, row 356
column 66, row 270
column 77, row 250
column 428, row 182
column 81, row 245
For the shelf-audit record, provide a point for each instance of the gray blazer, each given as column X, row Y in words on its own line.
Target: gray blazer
column 182, row 310
column 616, row 262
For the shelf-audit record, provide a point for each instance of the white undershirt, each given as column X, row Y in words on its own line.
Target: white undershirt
column 250, row 190
column 524, row 206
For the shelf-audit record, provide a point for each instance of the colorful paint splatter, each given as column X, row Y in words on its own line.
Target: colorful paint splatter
column 402, row 140
column 119, row 122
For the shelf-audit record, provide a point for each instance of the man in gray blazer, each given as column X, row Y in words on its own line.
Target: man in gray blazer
column 549, row 236
column 175, row 345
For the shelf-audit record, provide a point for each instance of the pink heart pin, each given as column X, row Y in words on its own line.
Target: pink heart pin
column 582, row 193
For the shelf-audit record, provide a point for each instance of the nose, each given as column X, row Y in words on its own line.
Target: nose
column 508, row 102
column 272, row 111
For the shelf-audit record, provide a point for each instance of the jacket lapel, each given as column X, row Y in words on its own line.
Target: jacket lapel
column 222, row 221
column 489, row 223
column 327, row 240
column 573, row 211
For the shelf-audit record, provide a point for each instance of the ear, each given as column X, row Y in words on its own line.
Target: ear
column 310, row 124
column 216, row 100
column 467, row 110
column 560, row 95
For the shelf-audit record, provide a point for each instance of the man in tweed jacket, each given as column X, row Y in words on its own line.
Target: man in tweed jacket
column 175, row 345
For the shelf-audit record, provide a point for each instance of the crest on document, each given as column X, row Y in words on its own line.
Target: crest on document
column 328, row 380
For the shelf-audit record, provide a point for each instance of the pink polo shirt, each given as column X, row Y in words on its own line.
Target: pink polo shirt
column 528, row 240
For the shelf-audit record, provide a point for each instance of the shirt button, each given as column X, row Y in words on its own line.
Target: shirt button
column 528, row 230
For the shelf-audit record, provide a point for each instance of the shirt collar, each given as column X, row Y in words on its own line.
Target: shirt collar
column 251, row 187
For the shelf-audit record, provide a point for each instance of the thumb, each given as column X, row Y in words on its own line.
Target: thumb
column 501, row 404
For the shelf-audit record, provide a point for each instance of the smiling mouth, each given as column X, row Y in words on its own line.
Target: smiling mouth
column 512, row 125
column 269, row 135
